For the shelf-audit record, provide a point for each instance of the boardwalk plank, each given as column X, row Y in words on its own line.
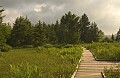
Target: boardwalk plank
column 90, row 68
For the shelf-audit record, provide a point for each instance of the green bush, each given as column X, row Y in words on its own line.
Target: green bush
column 5, row 48
column 41, row 49
column 24, row 70
column 113, row 72
column 59, row 45
column 106, row 51
column 27, row 46
column 48, row 45
column 68, row 46
column 0, row 54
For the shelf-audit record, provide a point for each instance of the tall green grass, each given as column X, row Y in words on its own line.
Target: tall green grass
column 106, row 51
column 24, row 70
column 51, row 62
column 113, row 72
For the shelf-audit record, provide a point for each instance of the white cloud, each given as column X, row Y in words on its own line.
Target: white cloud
column 11, row 15
column 106, row 13
column 38, row 7
column 55, row 8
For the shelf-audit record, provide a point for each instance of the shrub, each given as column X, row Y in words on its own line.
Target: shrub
column 5, row 48
column 105, row 51
column 113, row 72
column 41, row 49
column 59, row 45
column 64, row 72
column 0, row 54
column 48, row 45
column 68, row 46
column 27, row 46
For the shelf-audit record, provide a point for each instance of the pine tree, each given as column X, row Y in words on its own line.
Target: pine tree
column 51, row 34
column 2, row 35
column 93, row 33
column 118, row 35
column 21, row 32
column 69, row 29
column 1, row 17
column 85, row 24
column 112, row 37
column 4, row 32
column 39, row 34
column 56, row 29
column 106, row 39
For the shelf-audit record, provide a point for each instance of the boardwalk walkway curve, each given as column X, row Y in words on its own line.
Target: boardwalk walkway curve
column 90, row 68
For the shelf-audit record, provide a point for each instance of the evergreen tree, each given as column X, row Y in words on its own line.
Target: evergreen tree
column 69, row 29
column 6, row 28
column 93, row 33
column 112, row 37
column 85, row 24
column 4, row 32
column 101, row 35
column 51, row 34
column 118, row 35
column 2, row 35
column 21, row 32
column 1, row 17
column 39, row 34
column 106, row 39
column 56, row 29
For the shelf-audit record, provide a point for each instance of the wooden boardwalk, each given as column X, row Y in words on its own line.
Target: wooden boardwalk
column 89, row 68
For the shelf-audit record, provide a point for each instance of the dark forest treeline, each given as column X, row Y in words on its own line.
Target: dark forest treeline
column 70, row 29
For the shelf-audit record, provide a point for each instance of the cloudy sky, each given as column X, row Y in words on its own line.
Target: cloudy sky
column 106, row 13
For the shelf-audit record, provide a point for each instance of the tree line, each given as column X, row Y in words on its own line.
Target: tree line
column 70, row 29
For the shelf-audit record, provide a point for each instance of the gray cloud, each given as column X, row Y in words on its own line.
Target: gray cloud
column 105, row 13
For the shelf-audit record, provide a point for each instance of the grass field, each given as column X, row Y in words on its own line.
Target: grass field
column 52, row 62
